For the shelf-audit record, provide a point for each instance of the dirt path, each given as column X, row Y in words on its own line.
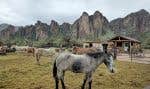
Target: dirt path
column 144, row 60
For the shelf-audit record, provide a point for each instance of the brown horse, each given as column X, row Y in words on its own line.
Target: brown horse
column 38, row 52
column 2, row 51
column 31, row 50
column 78, row 50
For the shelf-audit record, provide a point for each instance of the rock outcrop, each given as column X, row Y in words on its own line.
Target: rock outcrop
column 6, row 31
column 93, row 25
column 132, row 24
column 54, row 28
column 35, row 32
column 42, row 30
column 66, row 29
column 85, row 27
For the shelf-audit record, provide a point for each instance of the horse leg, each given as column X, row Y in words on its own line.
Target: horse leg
column 37, row 58
column 63, row 84
column 56, row 83
column 61, row 78
column 62, row 81
column 33, row 54
column 84, row 81
column 90, row 84
column 90, row 80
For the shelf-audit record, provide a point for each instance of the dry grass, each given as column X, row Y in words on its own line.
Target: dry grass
column 18, row 71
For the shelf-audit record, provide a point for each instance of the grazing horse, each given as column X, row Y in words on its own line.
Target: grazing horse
column 86, row 63
column 38, row 53
column 79, row 50
column 31, row 50
column 2, row 51
column 137, row 52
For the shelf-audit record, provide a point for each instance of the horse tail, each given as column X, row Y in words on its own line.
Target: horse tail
column 54, row 69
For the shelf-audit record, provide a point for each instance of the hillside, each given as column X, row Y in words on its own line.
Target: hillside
column 86, row 27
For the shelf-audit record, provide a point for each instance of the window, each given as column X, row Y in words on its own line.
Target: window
column 119, row 44
column 90, row 45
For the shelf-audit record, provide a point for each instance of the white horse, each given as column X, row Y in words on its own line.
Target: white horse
column 86, row 63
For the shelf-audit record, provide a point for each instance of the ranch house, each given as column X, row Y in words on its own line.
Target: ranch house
column 123, row 43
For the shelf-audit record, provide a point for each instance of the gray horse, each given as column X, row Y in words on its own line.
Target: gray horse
column 86, row 63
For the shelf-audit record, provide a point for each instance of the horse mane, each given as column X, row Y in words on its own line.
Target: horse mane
column 95, row 54
column 110, row 54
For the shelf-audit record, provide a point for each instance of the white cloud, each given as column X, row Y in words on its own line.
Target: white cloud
column 23, row 12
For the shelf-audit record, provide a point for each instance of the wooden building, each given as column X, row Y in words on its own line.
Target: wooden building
column 123, row 43
column 90, row 44
column 94, row 44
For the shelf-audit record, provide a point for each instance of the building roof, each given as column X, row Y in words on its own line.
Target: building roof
column 97, row 42
column 92, row 42
column 125, row 38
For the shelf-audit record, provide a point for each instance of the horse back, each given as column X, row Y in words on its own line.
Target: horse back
column 73, row 62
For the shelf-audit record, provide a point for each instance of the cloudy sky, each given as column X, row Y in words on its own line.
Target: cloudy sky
column 23, row 12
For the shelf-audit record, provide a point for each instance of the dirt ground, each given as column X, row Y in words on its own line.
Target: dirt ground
column 20, row 71
column 145, row 59
column 125, row 57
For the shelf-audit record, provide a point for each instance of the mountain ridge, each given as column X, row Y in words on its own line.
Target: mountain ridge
column 86, row 27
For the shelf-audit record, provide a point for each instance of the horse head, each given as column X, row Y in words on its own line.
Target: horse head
column 75, row 49
column 109, row 62
column 107, row 58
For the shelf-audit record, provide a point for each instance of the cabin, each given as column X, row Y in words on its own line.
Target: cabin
column 123, row 43
column 95, row 44
column 89, row 44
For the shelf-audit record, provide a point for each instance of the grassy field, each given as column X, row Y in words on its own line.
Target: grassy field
column 18, row 71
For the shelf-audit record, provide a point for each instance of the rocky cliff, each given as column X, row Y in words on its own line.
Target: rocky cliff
column 85, row 27
column 133, row 24
column 35, row 32
column 6, row 31
column 93, row 25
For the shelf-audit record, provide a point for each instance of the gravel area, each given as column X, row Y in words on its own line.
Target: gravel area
column 125, row 57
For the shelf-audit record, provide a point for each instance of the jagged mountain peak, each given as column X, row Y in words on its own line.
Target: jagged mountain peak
column 53, row 21
column 86, row 25
column 3, row 26
column 140, row 13
column 65, row 23
column 90, row 25
column 38, row 22
column 85, row 14
column 116, row 20
column 143, row 11
column 132, row 24
column 97, row 13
